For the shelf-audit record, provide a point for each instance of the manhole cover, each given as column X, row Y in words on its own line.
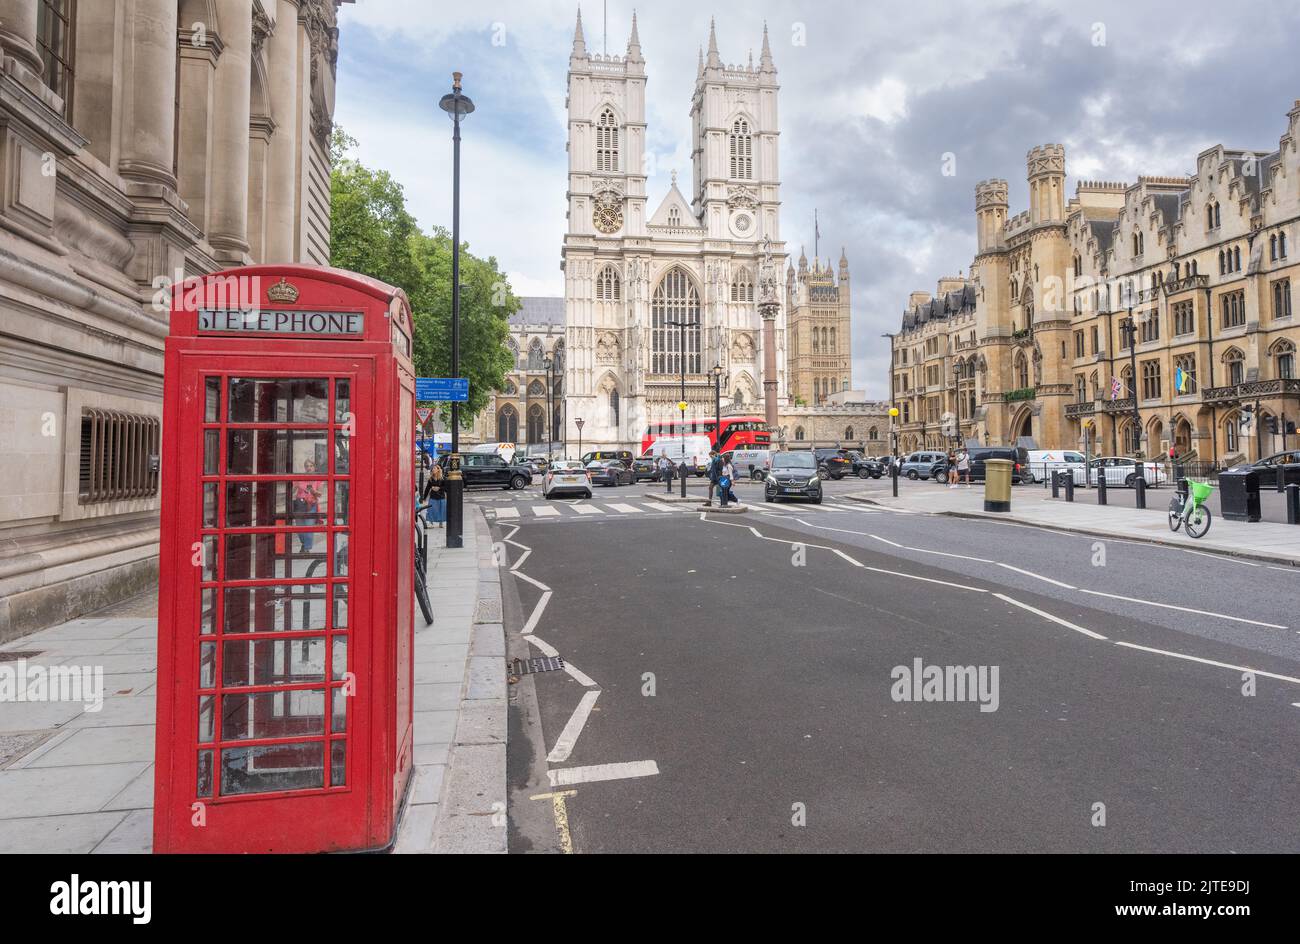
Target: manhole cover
column 13, row 655
column 533, row 666
column 16, row 745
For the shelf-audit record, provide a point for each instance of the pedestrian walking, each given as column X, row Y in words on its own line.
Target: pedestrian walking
column 435, row 493
column 963, row 466
column 665, row 467
column 715, row 473
column 729, row 476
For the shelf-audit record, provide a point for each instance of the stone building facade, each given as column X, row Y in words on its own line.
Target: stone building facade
column 819, row 354
column 1033, row 347
column 145, row 141
column 517, row 412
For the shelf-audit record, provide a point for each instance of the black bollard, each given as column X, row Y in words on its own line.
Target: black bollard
column 1068, row 475
column 682, row 472
column 1056, row 484
column 455, row 503
column 1101, row 486
column 1293, row 504
column 1140, row 490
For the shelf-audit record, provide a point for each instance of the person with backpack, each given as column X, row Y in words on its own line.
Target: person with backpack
column 715, row 472
column 727, row 482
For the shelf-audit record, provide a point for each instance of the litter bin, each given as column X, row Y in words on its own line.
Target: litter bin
column 1239, row 495
column 997, row 484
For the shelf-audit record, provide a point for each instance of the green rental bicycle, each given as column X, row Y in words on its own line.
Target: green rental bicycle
column 1192, row 509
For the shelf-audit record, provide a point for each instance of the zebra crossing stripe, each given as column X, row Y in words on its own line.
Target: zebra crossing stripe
column 546, row 511
column 625, row 509
column 507, row 512
column 588, row 510
column 656, row 506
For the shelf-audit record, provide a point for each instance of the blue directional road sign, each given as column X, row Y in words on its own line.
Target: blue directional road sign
column 442, row 389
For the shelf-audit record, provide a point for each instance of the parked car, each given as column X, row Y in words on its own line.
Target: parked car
column 751, row 463
column 833, row 463
column 566, row 477
column 647, row 467
column 979, row 455
column 622, row 455
column 537, row 463
column 489, row 469
column 920, row 465
column 1267, row 467
column 1041, row 463
column 1121, row 470
column 793, row 475
column 609, row 472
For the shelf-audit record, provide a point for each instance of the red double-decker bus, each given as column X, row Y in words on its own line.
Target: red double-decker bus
column 738, row 432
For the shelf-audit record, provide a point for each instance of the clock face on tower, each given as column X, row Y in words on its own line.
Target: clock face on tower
column 607, row 215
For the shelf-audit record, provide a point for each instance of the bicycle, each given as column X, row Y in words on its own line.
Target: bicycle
column 1191, row 509
column 422, row 564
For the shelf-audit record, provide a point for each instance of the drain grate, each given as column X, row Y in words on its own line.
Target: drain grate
column 533, row 666
column 14, row 655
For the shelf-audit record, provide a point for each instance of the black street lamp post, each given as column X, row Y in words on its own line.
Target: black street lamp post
column 717, row 404
column 579, row 423
column 455, row 104
column 682, row 325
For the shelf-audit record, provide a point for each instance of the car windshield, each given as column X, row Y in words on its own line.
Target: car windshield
column 597, row 463
column 794, row 460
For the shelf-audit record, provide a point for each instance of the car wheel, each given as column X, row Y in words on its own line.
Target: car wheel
column 823, row 474
column 864, row 473
column 912, row 474
column 817, row 500
column 1130, row 481
column 756, row 476
column 518, row 482
column 941, row 477
column 876, row 475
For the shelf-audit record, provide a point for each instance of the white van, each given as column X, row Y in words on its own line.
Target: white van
column 752, row 464
column 503, row 449
column 693, row 450
column 1043, row 462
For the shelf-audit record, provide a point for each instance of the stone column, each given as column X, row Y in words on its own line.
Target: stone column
column 768, row 314
column 18, row 33
column 148, row 147
column 228, row 206
column 283, row 58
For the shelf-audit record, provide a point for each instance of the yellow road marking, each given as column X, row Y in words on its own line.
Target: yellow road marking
column 561, row 816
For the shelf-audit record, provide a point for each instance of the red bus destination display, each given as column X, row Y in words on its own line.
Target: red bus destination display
column 347, row 323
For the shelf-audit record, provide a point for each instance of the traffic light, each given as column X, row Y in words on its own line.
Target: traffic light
column 1270, row 425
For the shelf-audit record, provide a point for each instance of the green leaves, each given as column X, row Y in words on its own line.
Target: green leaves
column 373, row 233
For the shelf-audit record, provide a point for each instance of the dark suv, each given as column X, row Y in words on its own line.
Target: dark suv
column 833, row 463
column 865, row 468
column 489, row 469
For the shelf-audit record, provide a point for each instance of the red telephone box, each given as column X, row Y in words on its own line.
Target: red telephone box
column 286, row 563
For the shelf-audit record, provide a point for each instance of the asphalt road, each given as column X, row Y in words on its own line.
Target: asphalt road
column 753, row 674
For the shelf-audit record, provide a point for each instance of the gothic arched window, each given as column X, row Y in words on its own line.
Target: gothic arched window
column 848, row 432
column 1284, row 352
column 507, row 424
column 535, row 389
column 832, row 347
column 536, row 424
column 613, row 409
column 675, row 301
column 674, row 216
column 557, row 358
column 798, row 434
column 608, row 287
column 742, row 151
column 536, row 357
column 607, row 142
column 742, row 287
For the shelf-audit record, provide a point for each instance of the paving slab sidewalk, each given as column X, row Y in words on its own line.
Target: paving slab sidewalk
column 1265, row 541
column 79, row 781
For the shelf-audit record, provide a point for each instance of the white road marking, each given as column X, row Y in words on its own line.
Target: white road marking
column 546, row 511
column 1048, row 616
column 578, row 675
column 1184, row 609
column 598, row 772
column 522, row 557
column 544, row 647
column 656, row 506
column 588, row 510
column 573, row 728
column 625, row 509
column 1221, row 665
column 536, row 583
column 1030, row 573
column 855, row 563
column 536, row 614
column 507, row 513
column 1219, row 557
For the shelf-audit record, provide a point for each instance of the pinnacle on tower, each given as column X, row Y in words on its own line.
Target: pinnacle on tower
column 765, row 58
column 715, row 61
column 634, row 43
column 700, row 71
column 844, row 259
column 579, row 43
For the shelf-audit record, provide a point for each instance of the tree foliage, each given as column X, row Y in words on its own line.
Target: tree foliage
column 372, row 232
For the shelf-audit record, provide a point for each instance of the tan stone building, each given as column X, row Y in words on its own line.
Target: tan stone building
column 818, row 355
column 145, row 141
column 1033, row 347
column 517, row 412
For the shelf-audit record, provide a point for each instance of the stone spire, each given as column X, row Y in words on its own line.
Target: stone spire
column 844, row 259
column 700, row 71
column 803, row 260
column 579, row 43
column 715, row 61
column 634, row 44
column 765, row 59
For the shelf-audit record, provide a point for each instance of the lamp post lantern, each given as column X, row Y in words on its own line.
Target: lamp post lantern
column 578, row 423
column 456, row 104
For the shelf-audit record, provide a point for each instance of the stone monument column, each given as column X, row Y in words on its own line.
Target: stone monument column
column 768, row 306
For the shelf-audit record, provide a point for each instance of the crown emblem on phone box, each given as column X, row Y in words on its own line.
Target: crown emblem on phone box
column 282, row 291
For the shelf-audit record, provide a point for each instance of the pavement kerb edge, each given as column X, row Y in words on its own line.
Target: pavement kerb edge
column 1093, row 532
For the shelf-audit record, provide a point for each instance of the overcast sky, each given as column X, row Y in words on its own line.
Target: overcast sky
column 871, row 101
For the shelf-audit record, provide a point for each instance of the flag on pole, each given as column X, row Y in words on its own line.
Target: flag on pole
column 1180, row 380
column 1115, row 388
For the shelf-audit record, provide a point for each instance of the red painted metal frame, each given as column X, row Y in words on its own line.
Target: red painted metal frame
column 362, row 812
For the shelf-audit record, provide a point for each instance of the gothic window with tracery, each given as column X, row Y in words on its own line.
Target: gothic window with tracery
column 607, row 142
column 608, row 286
column 742, row 287
column 675, row 301
column 742, row 151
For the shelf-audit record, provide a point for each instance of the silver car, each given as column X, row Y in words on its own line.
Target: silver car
column 566, row 477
